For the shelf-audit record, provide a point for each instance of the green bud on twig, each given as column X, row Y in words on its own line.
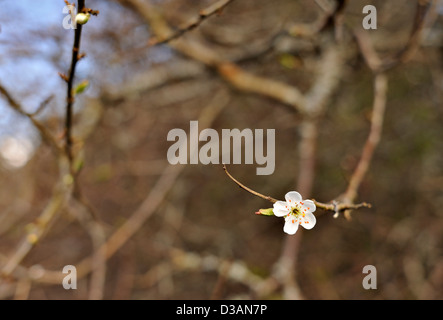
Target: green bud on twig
column 82, row 86
column 266, row 212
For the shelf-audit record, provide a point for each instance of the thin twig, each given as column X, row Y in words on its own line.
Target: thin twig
column 86, row 216
column 39, row 228
column 378, row 110
column 255, row 193
column 35, row 273
column 70, row 81
column 378, row 65
column 340, row 207
column 215, row 8
column 45, row 134
column 325, row 206
column 42, row 105
column 229, row 71
column 64, row 188
column 411, row 47
column 379, row 68
column 234, row 270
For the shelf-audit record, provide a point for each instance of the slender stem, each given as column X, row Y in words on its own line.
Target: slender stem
column 248, row 189
column 70, row 96
column 194, row 23
column 335, row 206
column 45, row 134
column 380, row 92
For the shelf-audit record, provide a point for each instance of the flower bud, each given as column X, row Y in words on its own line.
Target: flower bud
column 82, row 18
column 266, row 212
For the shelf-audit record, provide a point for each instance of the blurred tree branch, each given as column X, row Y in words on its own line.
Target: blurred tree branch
column 45, row 134
column 66, row 193
column 70, row 82
column 215, row 8
column 156, row 195
column 60, row 194
column 232, row 73
column 378, row 110
column 37, row 230
column 380, row 67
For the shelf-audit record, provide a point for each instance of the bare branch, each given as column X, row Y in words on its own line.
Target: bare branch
column 86, row 216
column 45, row 134
column 411, row 47
column 234, row 270
column 255, row 193
column 215, row 8
column 378, row 110
column 378, row 65
column 249, row 82
column 39, row 228
column 232, row 73
column 334, row 207
column 367, row 50
column 70, row 82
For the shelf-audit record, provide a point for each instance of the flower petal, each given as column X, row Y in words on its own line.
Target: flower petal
column 308, row 221
column 293, row 197
column 309, row 205
column 291, row 225
column 281, row 209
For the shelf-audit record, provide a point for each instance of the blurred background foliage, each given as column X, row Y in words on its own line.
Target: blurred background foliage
column 138, row 93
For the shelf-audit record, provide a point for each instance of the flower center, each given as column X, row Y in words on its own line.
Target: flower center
column 295, row 211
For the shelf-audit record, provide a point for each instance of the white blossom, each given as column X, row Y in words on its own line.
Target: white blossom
column 296, row 211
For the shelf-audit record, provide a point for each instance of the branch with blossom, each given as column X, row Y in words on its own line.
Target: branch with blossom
column 294, row 209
